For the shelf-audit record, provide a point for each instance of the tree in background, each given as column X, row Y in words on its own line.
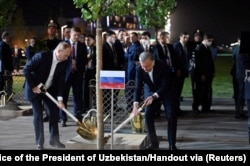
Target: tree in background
column 154, row 13
column 7, row 9
column 95, row 11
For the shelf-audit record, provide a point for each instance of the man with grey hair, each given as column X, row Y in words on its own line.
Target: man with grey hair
column 48, row 68
column 153, row 76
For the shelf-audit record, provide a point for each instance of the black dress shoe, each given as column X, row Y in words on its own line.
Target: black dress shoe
column 57, row 144
column 181, row 98
column 157, row 115
column 152, row 147
column 45, row 118
column 172, row 147
column 63, row 123
column 179, row 112
column 39, row 147
column 241, row 116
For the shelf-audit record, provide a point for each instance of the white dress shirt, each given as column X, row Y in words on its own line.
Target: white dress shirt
column 52, row 71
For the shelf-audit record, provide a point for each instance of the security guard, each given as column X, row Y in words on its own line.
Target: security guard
column 191, row 45
column 52, row 40
column 203, row 75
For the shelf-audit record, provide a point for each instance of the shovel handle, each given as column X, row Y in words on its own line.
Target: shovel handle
column 43, row 90
column 131, row 116
column 64, row 109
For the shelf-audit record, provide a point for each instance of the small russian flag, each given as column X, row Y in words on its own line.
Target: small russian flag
column 112, row 79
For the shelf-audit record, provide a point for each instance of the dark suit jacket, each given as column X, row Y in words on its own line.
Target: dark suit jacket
column 52, row 43
column 108, row 58
column 30, row 52
column 182, row 62
column 131, row 56
column 159, row 54
column 93, row 57
column 161, row 81
column 81, row 60
column 37, row 71
column 120, row 51
column 5, row 57
column 204, row 64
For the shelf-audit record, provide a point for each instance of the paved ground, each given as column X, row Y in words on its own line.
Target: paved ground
column 205, row 131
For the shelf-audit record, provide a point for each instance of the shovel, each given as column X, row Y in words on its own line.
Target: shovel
column 131, row 116
column 88, row 132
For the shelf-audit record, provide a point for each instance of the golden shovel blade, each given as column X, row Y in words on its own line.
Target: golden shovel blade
column 86, row 131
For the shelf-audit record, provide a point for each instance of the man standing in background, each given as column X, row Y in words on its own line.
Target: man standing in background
column 52, row 40
column 16, row 54
column 164, row 51
column 30, row 50
column 113, row 59
column 132, row 59
column 183, row 65
column 74, row 75
column 203, row 75
column 6, row 65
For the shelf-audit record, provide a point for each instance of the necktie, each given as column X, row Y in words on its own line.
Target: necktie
column 166, row 55
column 114, row 54
column 186, row 56
column 73, row 65
column 73, row 51
column 185, row 49
column 146, row 48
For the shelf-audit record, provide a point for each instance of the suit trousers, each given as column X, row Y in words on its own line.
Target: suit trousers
column 248, row 124
column 76, row 82
column 241, row 96
column 52, row 111
column 203, row 94
column 171, row 117
column 179, row 83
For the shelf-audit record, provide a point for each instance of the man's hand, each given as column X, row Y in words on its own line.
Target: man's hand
column 149, row 100
column 36, row 90
column 135, row 108
column 61, row 105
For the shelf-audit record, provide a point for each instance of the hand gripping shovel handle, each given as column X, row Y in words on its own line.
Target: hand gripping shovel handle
column 84, row 131
column 42, row 88
column 131, row 116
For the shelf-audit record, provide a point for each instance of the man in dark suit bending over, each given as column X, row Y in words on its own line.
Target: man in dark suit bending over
column 48, row 68
column 154, row 76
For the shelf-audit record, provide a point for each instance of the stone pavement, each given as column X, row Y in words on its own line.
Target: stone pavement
column 218, row 130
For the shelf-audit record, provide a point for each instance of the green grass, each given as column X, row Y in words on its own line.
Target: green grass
column 222, row 84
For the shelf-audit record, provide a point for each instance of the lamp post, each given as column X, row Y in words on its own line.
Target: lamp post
column 62, row 28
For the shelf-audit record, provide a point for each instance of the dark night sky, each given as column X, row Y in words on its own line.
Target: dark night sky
column 39, row 12
column 224, row 19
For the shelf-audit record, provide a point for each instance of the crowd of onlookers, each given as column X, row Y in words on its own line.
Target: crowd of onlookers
column 123, row 51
